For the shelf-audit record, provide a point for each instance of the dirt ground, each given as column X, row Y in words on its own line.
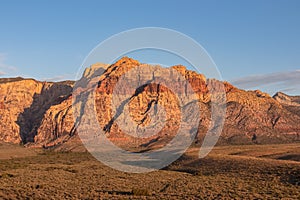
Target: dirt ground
column 228, row 172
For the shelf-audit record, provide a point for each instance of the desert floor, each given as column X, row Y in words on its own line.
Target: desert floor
column 228, row 172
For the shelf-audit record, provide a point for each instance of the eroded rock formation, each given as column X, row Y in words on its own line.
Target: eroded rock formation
column 41, row 114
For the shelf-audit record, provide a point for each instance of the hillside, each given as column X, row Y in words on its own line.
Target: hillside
column 40, row 113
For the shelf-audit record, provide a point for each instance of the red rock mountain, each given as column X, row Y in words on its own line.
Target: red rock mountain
column 40, row 113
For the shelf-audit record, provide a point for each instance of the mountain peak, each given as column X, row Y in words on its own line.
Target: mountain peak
column 280, row 94
column 42, row 112
column 127, row 60
column 286, row 99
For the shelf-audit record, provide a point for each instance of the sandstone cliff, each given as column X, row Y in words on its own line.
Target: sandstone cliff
column 23, row 104
column 40, row 113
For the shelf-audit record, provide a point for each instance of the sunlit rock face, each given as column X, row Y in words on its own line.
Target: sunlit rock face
column 24, row 103
column 41, row 113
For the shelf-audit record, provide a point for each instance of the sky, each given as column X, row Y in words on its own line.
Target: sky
column 255, row 44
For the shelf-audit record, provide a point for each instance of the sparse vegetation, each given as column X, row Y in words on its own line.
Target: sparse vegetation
column 140, row 192
column 6, row 175
column 229, row 172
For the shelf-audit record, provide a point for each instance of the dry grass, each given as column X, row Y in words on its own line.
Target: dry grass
column 231, row 172
column 8, row 151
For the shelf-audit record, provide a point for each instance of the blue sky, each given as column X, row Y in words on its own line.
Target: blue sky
column 248, row 40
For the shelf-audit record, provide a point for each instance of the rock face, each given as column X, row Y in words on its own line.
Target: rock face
column 24, row 103
column 250, row 113
column 40, row 113
column 286, row 99
column 291, row 103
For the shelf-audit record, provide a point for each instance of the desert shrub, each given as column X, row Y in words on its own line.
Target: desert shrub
column 6, row 175
column 140, row 192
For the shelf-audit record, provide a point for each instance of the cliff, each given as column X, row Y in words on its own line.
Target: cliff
column 40, row 113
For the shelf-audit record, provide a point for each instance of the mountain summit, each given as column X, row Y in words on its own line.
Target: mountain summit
column 40, row 113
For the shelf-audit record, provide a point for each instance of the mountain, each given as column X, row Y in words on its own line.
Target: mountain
column 40, row 114
column 24, row 104
column 291, row 103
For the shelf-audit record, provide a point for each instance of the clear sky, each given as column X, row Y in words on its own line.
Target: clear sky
column 255, row 44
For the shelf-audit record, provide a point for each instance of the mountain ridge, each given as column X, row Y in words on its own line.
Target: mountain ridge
column 40, row 114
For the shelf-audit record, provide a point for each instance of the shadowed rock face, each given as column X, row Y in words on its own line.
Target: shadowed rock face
column 41, row 114
column 23, row 105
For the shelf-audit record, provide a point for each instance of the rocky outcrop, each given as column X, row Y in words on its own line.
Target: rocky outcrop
column 24, row 103
column 15, row 96
column 286, row 99
column 40, row 113
column 248, row 113
column 291, row 103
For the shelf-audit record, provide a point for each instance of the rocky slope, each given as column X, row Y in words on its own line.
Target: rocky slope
column 40, row 113
column 291, row 103
column 24, row 103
